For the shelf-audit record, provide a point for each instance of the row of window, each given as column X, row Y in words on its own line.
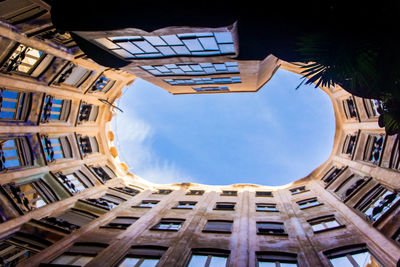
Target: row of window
column 32, row 193
column 15, row 106
column 28, row 61
column 370, row 106
column 82, row 253
column 376, row 147
column 234, row 193
column 376, row 203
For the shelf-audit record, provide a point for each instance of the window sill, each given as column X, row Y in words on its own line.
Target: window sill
column 312, row 206
column 329, row 229
column 277, row 234
column 217, row 232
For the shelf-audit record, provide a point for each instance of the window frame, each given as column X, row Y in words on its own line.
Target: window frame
column 209, row 252
column 169, row 222
column 266, row 205
column 271, row 230
column 324, row 219
column 308, row 200
column 228, row 206
column 23, row 104
column 205, row 230
column 182, row 205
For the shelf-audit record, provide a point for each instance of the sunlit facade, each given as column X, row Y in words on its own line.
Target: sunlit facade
column 67, row 200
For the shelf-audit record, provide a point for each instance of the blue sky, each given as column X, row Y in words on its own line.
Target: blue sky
column 271, row 137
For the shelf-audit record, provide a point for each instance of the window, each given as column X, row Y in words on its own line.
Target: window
column 350, row 185
column 20, row 246
column 71, row 219
column 332, row 174
column 103, row 173
column 229, row 193
column 88, row 112
column 298, row 190
column 195, row 192
column 266, row 207
column 121, row 222
column 373, row 106
column 199, row 81
column 71, row 182
column 107, row 201
column 87, row 144
column 30, row 195
column 350, row 108
column 15, row 153
column 263, row 194
column 355, row 256
column 55, row 109
column 169, row 225
column 185, row 205
column 127, row 190
column 72, row 75
column 349, row 144
column 270, row 228
column 211, row 88
column 14, row 106
column 377, row 202
column 218, row 226
column 55, row 148
column 308, row 203
column 396, row 236
column 324, row 223
column 145, row 256
column 395, row 155
column 102, row 84
column 208, row 258
column 79, row 254
column 185, row 44
column 163, row 191
column 27, row 60
column 192, row 69
column 224, row 206
column 276, row 259
column 374, row 148
column 147, row 204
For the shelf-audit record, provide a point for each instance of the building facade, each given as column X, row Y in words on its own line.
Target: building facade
column 67, row 200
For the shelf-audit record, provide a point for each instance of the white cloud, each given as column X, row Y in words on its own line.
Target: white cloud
column 134, row 138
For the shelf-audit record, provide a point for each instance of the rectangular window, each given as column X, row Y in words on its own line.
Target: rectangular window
column 349, row 144
column 208, row 258
column 14, row 106
column 332, row 174
column 102, row 84
column 377, row 202
column 297, row 190
column 144, row 256
column 350, row 185
column 324, row 223
column 27, row 60
column 107, row 201
column 55, row 148
column 127, row 190
column 190, row 44
column 211, row 88
column 72, row 75
column 169, row 225
column 308, row 203
column 195, row 192
column 229, row 193
column 30, row 195
column 350, row 108
column 147, row 204
column 87, row 144
column 263, row 194
column 266, row 207
column 357, row 256
column 103, row 173
column 372, row 106
column 374, row 148
column 163, row 191
column 121, row 222
column 71, row 219
column 79, row 254
column 15, row 153
column 71, row 182
column 224, row 206
column 200, row 81
column 55, row 109
column 88, row 112
column 185, row 205
column 270, row 228
column 276, row 259
column 192, row 69
column 218, row 226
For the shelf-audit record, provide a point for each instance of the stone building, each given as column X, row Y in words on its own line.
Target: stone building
column 67, row 200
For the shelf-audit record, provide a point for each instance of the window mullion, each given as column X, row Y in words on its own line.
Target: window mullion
column 352, row 261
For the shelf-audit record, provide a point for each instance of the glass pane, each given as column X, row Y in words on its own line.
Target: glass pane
column 64, row 259
column 331, row 224
column 172, row 39
column 223, row 37
column 218, row 261
column 133, row 49
column 341, row 262
column 129, row 262
column 149, row 263
column 266, row 264
column 317, row 227
column 288, row 264
column 209, row 43
column 155, row 40
column 365, row 259
column 145, row 46
column 82, row 260
column 193, row 45
column 198, row 261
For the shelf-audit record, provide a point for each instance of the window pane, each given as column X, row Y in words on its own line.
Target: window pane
column 266, row 264
column 341, row 262
column 218, row 261
column 129, row 262
column 149, row 263
column 288, row 264
column 198, row 261
column 82, row 260
column 365, row 259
